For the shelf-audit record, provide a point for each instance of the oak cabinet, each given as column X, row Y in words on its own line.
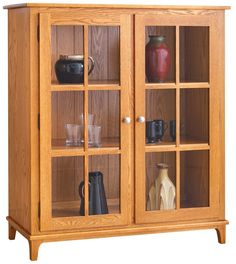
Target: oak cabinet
column 114, row 100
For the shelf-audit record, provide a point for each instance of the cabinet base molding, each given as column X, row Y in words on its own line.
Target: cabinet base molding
column 36, row 240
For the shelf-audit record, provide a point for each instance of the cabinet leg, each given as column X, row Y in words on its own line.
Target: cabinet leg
column 34, row 249
column 11, row 232
column 221, row 234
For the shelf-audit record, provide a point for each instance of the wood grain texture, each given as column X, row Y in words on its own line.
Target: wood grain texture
column 34, row 248
column 194, row 54
column 102, row 6
column 221, row 234
column 19, row 117
column 34, row 93
column 11, row 232
column 129, row 230
column 67, row 106
column 197, row 119
column 115, row 33
column 194, row 115
column 217, row 116
column 45, row 121
column 194, row 176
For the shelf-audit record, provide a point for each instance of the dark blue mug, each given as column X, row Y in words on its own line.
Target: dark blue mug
column 173, row 130
column 161, row 127
column 151, row 131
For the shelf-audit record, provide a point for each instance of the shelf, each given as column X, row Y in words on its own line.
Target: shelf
column 101, row 84
column 192, row 85
column 55, row 86
column 71, row 208
column 189, row 85
column 162, row 146
column 109, row 146
column 93, row 85
column 186, row 144
column 160, row 85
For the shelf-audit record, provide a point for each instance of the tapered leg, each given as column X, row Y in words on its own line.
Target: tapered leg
column 34, row 249
column 11, row 232
column 221, row 234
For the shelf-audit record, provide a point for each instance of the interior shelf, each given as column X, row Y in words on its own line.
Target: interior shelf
column 71, row 208
column 93, row 85
column 188, row 85
column 170, row 85
column 59, row 148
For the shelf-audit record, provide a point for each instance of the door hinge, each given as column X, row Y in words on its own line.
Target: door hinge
column 39, row 121
column 39, row 210
column 38, row 33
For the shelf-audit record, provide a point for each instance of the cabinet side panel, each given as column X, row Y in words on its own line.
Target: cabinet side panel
column 19, row 117
column 217, row 113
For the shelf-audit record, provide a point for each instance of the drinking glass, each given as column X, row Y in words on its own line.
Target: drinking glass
column 73, row 134
column 90, row 122
column 94, row 136
column 90, row 119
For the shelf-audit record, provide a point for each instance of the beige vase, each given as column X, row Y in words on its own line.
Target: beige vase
column 162, row 192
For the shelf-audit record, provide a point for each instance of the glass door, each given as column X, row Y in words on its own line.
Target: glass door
column 174, row 147
column 84, row 120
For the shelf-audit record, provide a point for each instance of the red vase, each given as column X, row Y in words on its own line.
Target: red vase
column 157, row 59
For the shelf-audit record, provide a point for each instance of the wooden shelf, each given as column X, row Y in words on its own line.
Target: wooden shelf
column 109, row 146
column 160, row 85
column 196, row 85
column 93, row 85
column 187, row 85
column 55, row 86
column 186, row 144
column 71, row 208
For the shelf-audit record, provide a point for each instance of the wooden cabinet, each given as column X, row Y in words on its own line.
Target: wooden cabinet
column 61, row 133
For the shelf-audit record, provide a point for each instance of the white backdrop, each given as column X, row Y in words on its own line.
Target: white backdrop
column 181, row 247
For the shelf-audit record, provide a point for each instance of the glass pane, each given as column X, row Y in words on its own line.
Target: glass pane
column 160, row 117
column 194, row 116
column 67, row 44
column 104, row 119
column 194, row 179
column 104, row 190
column 160, row 54
column 194, row 54
column 67, row 174
column 160, row 181
column 104, row 50
column 67, row 127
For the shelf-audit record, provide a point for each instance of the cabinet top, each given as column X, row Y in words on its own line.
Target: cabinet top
column 46, row 5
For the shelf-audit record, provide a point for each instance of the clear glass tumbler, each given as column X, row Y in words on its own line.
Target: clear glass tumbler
column 90, row 122
column 94, row 136
column 73, row 134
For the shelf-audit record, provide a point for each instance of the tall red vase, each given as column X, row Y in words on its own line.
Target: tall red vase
column 157, row 59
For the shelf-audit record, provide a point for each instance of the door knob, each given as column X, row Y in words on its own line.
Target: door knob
column 141, row 119
column 127, row 120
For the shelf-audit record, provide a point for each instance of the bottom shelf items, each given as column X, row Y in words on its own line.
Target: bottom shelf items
column 68, row 192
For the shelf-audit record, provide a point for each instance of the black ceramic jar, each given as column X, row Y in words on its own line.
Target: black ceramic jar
column 70, row 68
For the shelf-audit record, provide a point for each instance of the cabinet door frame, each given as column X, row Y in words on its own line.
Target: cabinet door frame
column 46, row 20
column 216, row 106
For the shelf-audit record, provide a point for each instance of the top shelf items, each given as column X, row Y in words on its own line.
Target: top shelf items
column 103, row 44
column 165, row 57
